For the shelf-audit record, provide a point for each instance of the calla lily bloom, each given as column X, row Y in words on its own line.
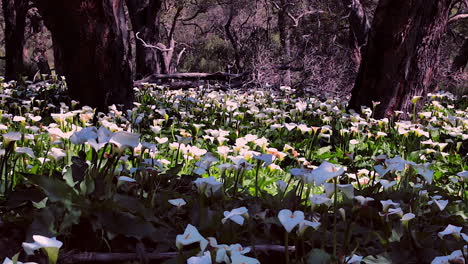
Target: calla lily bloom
column 289, row 220
column 266, row 158
column 451, row 230
column 407, row 217
column 305, row 224
column 190, row 236
column 123, row 139
column 178, row 202
column 354, row 259
column 9, row 261
column 318, row 199
column 126, row 179
column 205, row 259
column 236, row 215
column 208, row 186
column 347, row 189
column 82, row 136
column 241, row 259
column 454, row 257
column 41, row 242
column 326, row 171
column 386, row 204
column 363, row 200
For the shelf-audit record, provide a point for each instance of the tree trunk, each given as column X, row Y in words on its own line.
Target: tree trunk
column 58, row 58
column 359, row 28
column 285, row 41
column 401, row 57
column 144, row 15
column 92, row 36
column 460, row 61
column 14, row 12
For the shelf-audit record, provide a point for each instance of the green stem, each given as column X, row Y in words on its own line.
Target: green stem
column 286, row 247
column 335, row 201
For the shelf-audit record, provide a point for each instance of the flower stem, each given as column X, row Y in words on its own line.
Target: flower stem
column 286, row 247
column 335, row 201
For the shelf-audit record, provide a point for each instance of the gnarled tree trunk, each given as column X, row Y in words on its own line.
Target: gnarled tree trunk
column 460, row 61
column 401, row 57
column 14, row 12
column 92, row 36
column 144, row 15
column 359, row 28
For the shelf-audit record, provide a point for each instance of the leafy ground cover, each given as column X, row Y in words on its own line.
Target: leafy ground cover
column 205, row 176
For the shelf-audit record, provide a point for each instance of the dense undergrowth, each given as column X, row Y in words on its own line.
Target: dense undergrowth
column 201, row 172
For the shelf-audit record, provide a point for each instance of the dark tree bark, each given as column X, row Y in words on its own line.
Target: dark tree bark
column 92, row 36
column 144, row 15
column 58, row 58
column 359, row 28
column 461, row 60
column 401, row 57
column 285, row 38
column 14, row 12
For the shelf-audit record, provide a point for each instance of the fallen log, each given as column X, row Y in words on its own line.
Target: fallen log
column 220, row 76
column 72, row 257
column 183, row 85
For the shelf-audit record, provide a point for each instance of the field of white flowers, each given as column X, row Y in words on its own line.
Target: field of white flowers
column 206, row 176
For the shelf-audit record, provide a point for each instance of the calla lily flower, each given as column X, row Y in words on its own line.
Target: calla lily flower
column 305, row 224
column 126, row 179
column 407, row 217
column 11, row 137
column 363, row 200
column 387, row 184
column 346, row 189
column 386, row 204
column 454, row 257
column 441, row 204
column 190, row 236
column 266, row 158
column 241, row 259
column 236, row 215
column 208, row 186
column 123, row 139
column 451, row 230
column 326, row 171
column 57, row 154
column 289, row 220
column 177, row 202
column 9, row 261
column 396, row 164
column 25, row 150
column 354, row 259
column 205, row 259
column 82, row 136
column 423, row 170
column 318, row 199
column 281, row 185
column 237, row 249
column 41, row 242
column 463, row 175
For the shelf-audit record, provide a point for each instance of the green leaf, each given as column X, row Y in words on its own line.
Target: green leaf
column 318, row 256
column 41, row 204
column 15, row 258
column 125, row 224
column 55, row 189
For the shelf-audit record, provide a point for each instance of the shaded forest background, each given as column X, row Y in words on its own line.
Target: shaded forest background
column 305, row 44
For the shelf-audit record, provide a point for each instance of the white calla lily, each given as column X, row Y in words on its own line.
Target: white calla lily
column 289, row 220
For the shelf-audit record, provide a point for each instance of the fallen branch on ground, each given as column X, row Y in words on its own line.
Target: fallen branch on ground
column 72, row 257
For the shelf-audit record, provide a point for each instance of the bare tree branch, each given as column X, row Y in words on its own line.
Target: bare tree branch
column 161, row 47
